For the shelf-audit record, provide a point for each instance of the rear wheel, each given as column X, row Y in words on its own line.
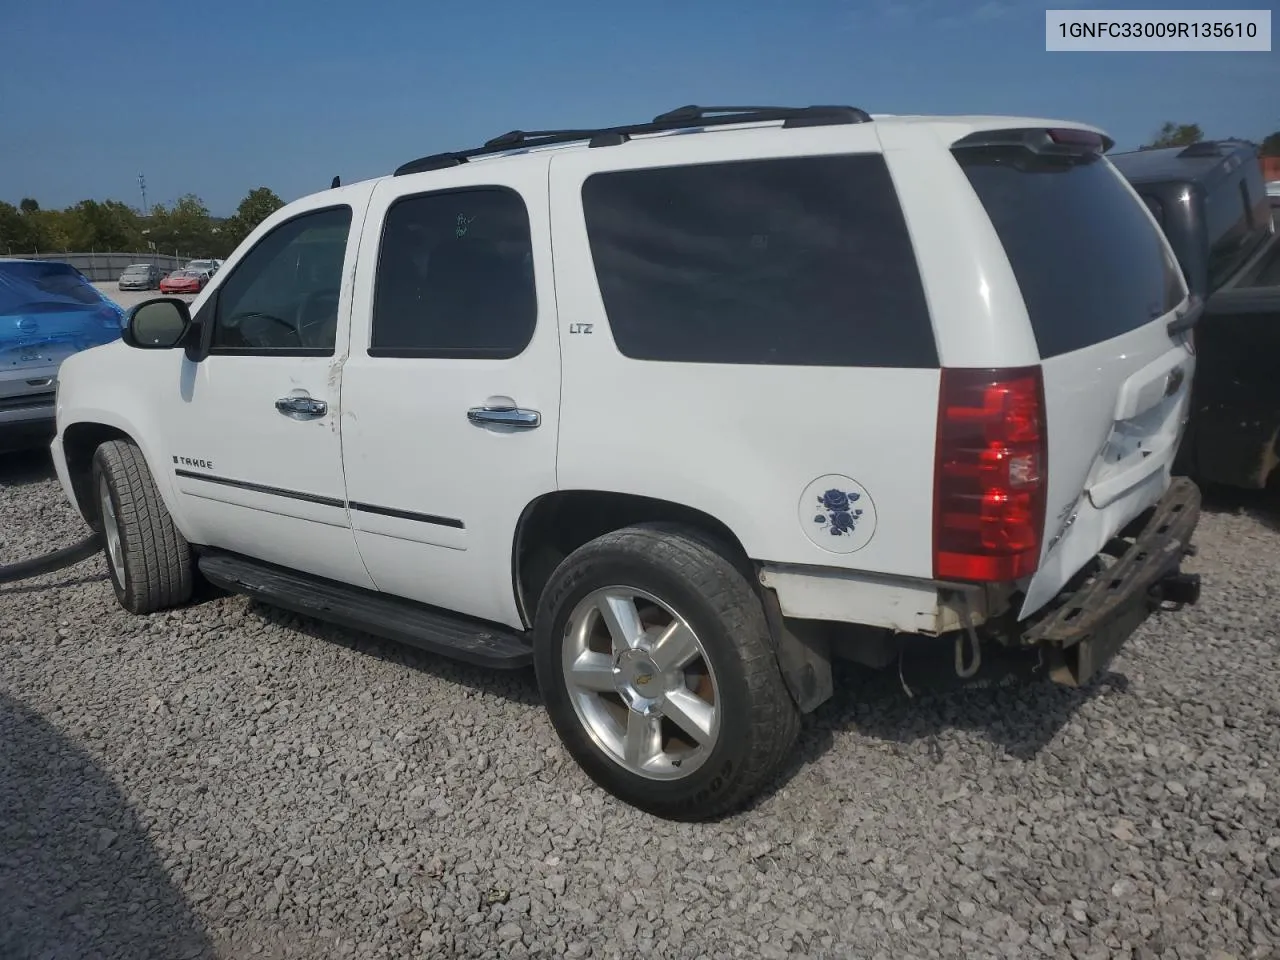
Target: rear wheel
column 656, row 665
column 148, row 559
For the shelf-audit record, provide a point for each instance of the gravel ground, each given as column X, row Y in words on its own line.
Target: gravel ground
column 131, row 298
column 231, row 781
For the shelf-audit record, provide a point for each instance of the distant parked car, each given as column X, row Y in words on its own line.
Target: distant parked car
column 209, row 266
column 48, row 311
column 1273, row 188
column 140, row 276
column 185, row 281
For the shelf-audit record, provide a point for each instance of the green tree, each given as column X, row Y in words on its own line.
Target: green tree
column 185, row 227
column 16, row 231
column 1271, row 145
column 28, row 229
column 109, row 225
column 259, row 204
column 1176, row 135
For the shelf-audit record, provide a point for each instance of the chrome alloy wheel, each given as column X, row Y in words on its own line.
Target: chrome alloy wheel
column 111, row 530
column 641, row 683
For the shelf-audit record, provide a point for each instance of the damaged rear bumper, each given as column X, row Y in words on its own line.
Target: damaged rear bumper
column 1084, row 628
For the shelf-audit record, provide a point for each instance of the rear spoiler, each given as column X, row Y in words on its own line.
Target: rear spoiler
column 1045, row 141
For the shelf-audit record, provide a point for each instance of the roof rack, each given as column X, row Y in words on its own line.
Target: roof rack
column 681, row 118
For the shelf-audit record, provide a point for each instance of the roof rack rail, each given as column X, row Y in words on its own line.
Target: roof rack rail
column 677, row 119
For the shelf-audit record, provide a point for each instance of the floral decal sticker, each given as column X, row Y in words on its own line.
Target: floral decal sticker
column 838, row 516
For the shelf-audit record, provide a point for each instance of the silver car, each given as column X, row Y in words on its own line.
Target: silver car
column 140, row 276
column 208, row 266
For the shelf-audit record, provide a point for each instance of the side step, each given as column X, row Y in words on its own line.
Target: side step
column 450, row 635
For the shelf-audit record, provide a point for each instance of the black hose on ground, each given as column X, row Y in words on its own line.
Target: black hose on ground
column 50, row 562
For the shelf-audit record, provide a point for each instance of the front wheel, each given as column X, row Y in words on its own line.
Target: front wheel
column 655, row 661
column 148, row 559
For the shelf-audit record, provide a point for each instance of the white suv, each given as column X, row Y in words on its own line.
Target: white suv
column 677, row 412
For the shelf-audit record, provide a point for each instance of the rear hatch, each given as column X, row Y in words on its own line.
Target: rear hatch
column 1109, row 310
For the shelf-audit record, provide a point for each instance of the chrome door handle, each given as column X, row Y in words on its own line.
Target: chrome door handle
column 302, row 408
column 506, row 416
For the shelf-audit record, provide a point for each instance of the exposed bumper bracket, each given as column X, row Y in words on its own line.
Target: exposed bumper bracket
column 1082, row 633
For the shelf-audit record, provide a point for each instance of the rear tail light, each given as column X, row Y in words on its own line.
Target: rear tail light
column 990, row 475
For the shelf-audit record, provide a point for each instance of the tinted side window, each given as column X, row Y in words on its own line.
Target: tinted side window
column 801, row 260
column 283, row 296
column 1089, row 263
column 455, row 277
column 1156, row 207
column 1237, row 220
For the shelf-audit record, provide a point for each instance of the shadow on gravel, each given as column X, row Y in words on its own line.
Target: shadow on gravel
column 25, row 468
column 519, row 686
column 60, row 584
column 78, row 876
column 1261, row 505
column 1019, row 718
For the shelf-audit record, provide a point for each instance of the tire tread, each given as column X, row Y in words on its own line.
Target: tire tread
column 157, row 557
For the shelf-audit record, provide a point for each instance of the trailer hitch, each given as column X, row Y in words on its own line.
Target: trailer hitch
column 1181, row 589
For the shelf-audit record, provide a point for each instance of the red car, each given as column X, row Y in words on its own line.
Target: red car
column 184, row 281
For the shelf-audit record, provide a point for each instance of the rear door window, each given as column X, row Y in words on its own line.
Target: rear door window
column 455, row 277
column 1089, row 262
column 798, row 260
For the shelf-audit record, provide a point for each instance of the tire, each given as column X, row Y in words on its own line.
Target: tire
column 153, row 569
column 755, row 722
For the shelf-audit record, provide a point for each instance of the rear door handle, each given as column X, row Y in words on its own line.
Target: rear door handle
column 302, row 408
column 505, row 416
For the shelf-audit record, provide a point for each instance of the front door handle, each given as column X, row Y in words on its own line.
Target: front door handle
column 505, row 416
column 302, row 408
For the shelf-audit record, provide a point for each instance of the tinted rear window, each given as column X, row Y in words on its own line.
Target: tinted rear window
column 802, row 260
column 1089, row 262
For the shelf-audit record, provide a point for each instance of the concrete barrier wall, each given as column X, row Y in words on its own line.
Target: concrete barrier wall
column 108, row 266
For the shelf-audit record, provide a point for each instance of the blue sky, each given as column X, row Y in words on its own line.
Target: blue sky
column 218, row 98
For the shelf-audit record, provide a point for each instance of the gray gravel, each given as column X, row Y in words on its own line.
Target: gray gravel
column 231, row 781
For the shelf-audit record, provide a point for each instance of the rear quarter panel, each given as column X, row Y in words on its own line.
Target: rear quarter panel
column 752, row 445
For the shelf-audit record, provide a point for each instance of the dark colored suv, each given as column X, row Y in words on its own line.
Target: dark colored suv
column 1211, row 201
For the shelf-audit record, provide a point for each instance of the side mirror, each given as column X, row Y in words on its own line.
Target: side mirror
column 159, row 324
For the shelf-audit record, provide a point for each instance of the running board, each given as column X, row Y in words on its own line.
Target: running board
column 459, row 638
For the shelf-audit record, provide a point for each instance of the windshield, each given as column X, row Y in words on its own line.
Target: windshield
column 140, row 269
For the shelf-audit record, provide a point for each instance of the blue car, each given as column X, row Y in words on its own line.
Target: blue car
column 48, row 311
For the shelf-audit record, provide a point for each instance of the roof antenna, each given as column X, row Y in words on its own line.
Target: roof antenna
column 337, row 182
